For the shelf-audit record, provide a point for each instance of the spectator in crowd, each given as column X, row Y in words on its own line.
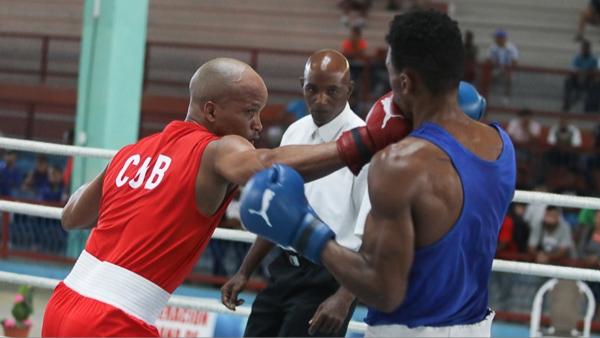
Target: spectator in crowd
column 564, row 134
column 37, row 177
column 53, row 191
column 590, row 253
column 520, row 229
column 514, row 233
column 512, row 243
column 471, row 53
column 506, row 243
column 525, row 132
column 503, row 56
column 586, row 222
column 354, row 12
column 524, row 129
column 354, row 49
column 534, row 212
column 591, row 248
column 581, row 78
column 10, row 175
column 591, row 15
column 552, row 241
column 355, row 46
column 565, row 137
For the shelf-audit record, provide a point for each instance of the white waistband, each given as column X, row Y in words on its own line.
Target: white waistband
column 116, row 286
column 481, row 329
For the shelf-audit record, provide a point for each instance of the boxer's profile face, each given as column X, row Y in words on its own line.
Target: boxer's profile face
column 326, row 94
column 238, row 113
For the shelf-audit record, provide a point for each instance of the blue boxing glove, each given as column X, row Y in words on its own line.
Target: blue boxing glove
column 470, row 101
column 273, row 206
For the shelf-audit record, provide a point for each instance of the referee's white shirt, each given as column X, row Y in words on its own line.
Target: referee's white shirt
column 337, row 197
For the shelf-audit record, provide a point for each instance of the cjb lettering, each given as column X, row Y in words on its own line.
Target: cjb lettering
column 153, row 179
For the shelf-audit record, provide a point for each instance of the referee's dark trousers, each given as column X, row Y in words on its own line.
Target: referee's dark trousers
column 295, row 290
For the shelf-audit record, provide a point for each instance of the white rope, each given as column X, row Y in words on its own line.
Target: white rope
column 66, row 150
column 55, row 213
column 54, row 149
column 30, row 209
column 556, row 199
column 544, row 270
column 38, row 282
column 206, row 304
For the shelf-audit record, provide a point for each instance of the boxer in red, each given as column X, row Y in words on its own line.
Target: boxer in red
column 156, row 205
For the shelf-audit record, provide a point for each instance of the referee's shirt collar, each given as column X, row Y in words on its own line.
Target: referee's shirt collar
column 331, row 130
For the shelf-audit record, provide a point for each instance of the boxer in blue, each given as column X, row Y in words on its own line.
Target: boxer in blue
column 438, row 199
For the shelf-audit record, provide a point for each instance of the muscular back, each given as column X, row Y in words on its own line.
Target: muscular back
column 438, row 202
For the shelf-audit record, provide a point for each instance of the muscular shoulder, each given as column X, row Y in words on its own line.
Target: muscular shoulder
column 229, row 144
column 401, row 171
column 219, row 152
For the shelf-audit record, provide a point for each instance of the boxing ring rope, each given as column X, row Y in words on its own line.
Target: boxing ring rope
column 214, row 305
column 54, row 149
column 55, row 213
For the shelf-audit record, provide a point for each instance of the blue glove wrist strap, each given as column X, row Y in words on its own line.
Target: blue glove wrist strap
column 313, row 238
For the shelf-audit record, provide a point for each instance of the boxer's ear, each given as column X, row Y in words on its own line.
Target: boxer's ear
column 409, row 81
column 406, row 83
column 210, row 111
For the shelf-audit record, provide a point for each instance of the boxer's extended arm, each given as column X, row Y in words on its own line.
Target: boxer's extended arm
column 378, row 274
column 81, row 211
column 236, row 160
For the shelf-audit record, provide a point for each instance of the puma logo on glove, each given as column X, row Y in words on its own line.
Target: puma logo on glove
column 266, row 202
column 277, row 195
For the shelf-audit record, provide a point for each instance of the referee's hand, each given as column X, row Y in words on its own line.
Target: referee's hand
column 231, row 289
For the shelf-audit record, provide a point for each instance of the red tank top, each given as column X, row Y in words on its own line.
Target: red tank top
column 148, row 219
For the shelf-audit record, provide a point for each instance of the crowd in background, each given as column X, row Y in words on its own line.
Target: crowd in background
column 42, row 182
column 24, row 176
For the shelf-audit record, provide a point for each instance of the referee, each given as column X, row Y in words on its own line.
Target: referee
column 302, row 298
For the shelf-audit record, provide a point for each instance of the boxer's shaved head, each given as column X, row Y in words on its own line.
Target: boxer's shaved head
column 326, row 85
column 220, row 78
column 223, row 92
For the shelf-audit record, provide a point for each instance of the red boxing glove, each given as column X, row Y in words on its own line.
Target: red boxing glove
column 385, row 125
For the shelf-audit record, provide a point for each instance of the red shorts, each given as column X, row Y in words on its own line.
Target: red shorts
column 70, row 314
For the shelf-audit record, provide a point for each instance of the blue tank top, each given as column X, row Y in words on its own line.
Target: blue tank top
column 448, row 281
